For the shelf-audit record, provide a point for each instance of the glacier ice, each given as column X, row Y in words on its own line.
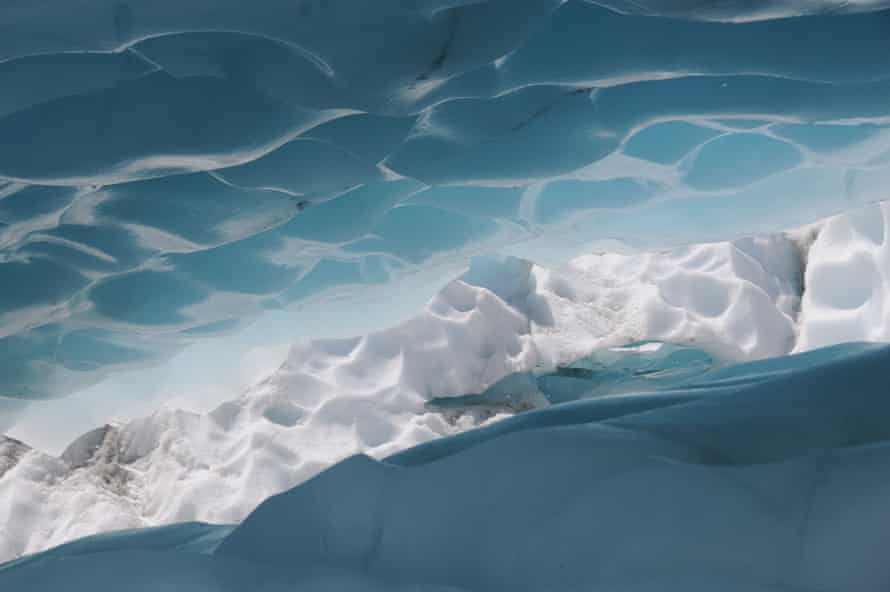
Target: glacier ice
column 507, row 336
column 847, row 279
column 173, row 173
column 634, row 367
column 170, row 173
column 715, row 484
column 386, row 391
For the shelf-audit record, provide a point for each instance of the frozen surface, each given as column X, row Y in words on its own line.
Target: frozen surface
column 847, row 279
column 384, row 392
column 170, row 171
column 634, row 367
column 771, row 476
column 173, row 171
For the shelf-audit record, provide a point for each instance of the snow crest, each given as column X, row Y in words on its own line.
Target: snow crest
column 335, row 398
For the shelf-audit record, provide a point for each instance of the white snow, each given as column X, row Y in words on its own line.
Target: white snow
column 847, row 281
column 769, row 476
column 334, row 398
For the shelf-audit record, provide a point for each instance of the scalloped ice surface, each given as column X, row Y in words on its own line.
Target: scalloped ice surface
column 169, row 172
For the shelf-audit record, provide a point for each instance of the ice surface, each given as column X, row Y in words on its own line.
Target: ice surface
column 170, row 172
column 717, row 484
column 384, row 392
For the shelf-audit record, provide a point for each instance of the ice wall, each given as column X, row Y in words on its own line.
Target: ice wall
column 168, row 172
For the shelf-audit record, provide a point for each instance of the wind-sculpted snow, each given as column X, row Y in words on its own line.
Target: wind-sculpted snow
column 505, row 337
column 847, row 295
column 170, row 171
column 722, row 483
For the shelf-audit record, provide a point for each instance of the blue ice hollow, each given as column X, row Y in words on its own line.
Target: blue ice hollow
column 635, row 367
column 769, row 476
column 170, row 171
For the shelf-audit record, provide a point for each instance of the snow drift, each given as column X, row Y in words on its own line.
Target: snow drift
column 471, row 357
column 333, row 398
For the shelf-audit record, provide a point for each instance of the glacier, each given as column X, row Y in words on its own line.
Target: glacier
column 172, row 173
column 582, row 294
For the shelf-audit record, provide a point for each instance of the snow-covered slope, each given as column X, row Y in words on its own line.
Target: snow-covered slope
column 332, row 398
column 335, row 398
column 735, row 300
column 768, row 477
column 847, row 280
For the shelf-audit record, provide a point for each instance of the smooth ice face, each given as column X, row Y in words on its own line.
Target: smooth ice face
column 168, row 172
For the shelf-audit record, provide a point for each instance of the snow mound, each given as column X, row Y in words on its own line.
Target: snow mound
column 172, row 172
column 847, row 296
column 335, row 398
column 769, row 476
column 735, row 300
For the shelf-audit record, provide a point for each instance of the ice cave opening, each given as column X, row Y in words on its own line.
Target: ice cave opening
column 445, row 295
